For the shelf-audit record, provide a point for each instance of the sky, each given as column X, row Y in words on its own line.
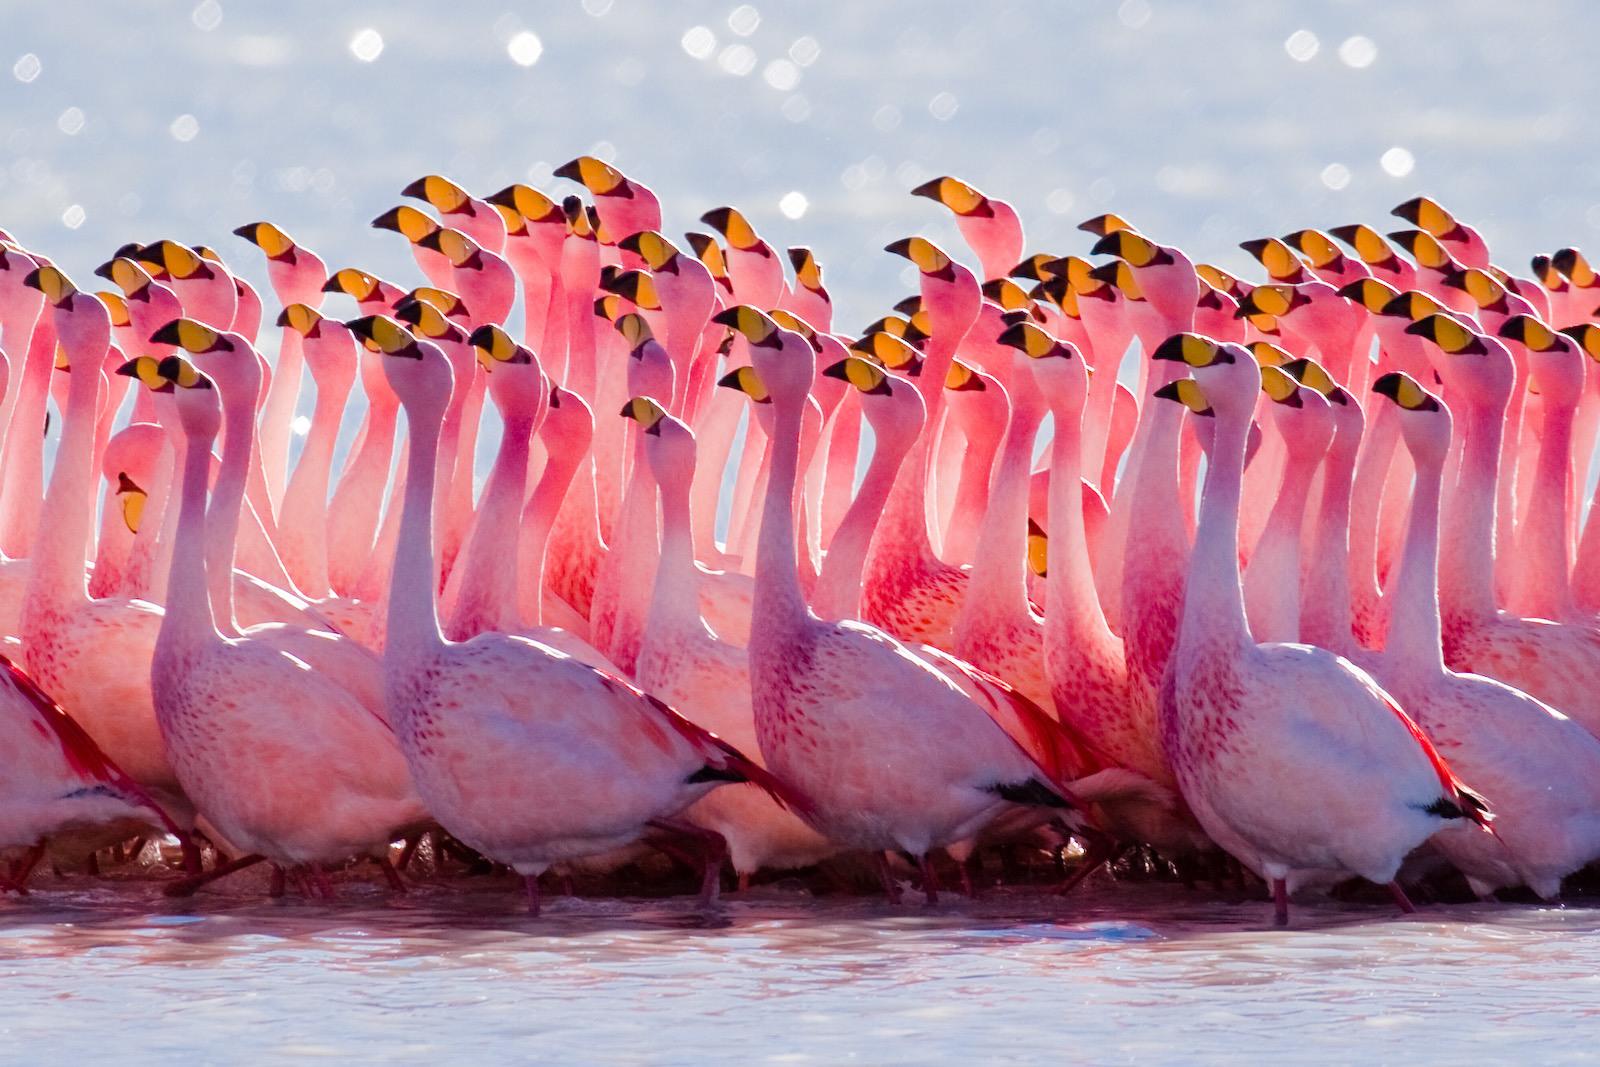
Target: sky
column 1203, row 123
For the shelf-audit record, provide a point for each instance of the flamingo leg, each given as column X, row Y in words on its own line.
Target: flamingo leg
column 530, row 886
column 889, row 885
column 744, row 882
column 1101, row 851
column 276, row 888
column 24, row 867
column 716, row 850
column 930, row 880
column 185, row 887
column 193, row 859
column 409, row 851
column 391, row 875
column 1280, row 902
column 1401, row 900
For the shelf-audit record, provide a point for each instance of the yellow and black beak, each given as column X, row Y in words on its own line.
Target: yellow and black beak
column 1369, row 245
column 637, row 287
column 445, row 195
column 183, row 374
column 407, row 221
column 1101, row 225
column 1268, row 354
column 1030, row 339
column 962, row 378
column 925, row 254
column 646, row 412
column 1448, row 334
column 1279, row 259
column 1193, row 349
column 735, row 229
column 274, row 242
column 448, row 303
column 147, row 370
column 1423, row 248
column 1138, row 250
column 1370, row 293
column 495, row 346
column 192, row 337
column 657, row 252
column 457, row 247
column 956, row 195
column 1429, row 216
column 709, row 253
column 756, row 326
column 1187, row 392
column 1531, row 333
column 1404, row 391
column 1587, row 335
column 747, row 381
column 1036, row 268
column 1576, row 269
column 806, row 269
column 1118, row 275
column 1315, row 246
column 56, row 286
column 386, row 335
column 1412, row 305
column 425, row 319
column 526, row 202
column 887, row 350
column 176, row 260
column 599, row 178
column 133, row 498
column 1310, row 373
column 1008, row 294
column 303, row 319
column 117, row 306
column 864, row 374
column 634, row 329
column 1274, row 300
column 1038, row 550
column 1280, row 387
column 352, row 282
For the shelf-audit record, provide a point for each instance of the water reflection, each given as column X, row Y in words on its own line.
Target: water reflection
column 1129, row 972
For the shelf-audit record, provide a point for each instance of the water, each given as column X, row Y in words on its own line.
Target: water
column 1123, row 973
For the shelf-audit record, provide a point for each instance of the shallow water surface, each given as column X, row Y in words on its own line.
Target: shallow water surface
column 1119, row 974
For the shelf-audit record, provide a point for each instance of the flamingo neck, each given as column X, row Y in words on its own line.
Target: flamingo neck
column 997, row 588
column 780, row 606
column 1467, row 547
column 1213, row 604
column 538, row 520
column 412, row 619
column 487, row 596
column 1543, row 551
column 189, row 624
column 1415, row 630
column 227, row 499
column 24, row 459
column 675, row 604
column 57, row 577
column 1325, row 616
column 1274, row 574
column 838, row 591
column 1074, row 612
column 309, row 482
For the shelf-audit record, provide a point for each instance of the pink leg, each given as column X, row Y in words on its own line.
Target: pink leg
column 391, row 875
column 1280, row 902
column 716, row 847
column 276, row 887
column 889, row 885
column 1101, row 851
column 744, row 881
column 24, row 867
column 185, row 887
column 530, row 886
column 930, row 880
column 409, row 851
column 1400, row 899
column 319, row 878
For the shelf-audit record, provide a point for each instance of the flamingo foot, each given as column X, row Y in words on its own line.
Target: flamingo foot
column 1401, row 900
column 185, row 887
column 1280, row 902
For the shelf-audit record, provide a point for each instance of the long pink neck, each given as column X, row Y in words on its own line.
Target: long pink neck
column 1325, row 589
column 1213, row 604
column 779, row 612
column 1154, row 532
column 227, row 499
column 539, row 518
column 997, row 588
column 1543, row 551
column 675, row 603
column 1415, row 631
column 358, row 498
column 1272, row 584
column 1466, row 590
column 283, row 392
column 189, row 626
column 1371, row 475
column 412, row 636
column 1074, row 616
column 838, row 591
column 24, row 462
column 56, row 581
column 487, row 596
column 305, row 501
column 138, row 579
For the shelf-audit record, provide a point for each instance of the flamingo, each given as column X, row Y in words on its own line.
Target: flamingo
column 476, row 218
column 1291, row 758
column 1539, row 769
column 626, row 207
column 992, row 228
column 280, row 760
column 473, row 717
column 889, row 751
